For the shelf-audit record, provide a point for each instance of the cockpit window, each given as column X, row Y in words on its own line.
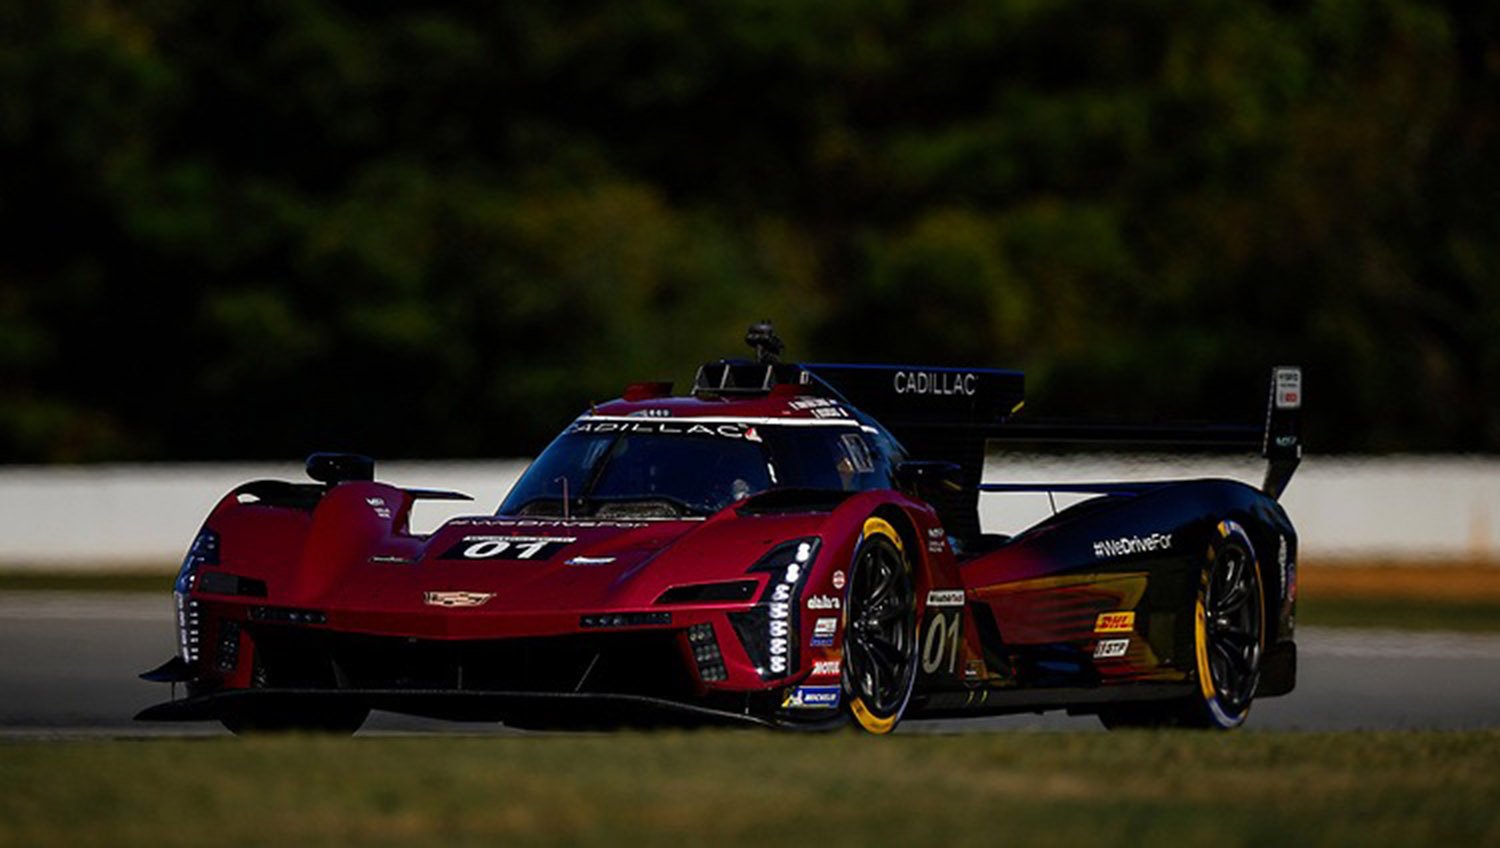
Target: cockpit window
column 674, row 468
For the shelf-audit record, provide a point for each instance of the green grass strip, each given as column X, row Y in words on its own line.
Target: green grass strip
column 730, row 788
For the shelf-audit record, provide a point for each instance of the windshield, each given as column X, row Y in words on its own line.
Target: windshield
column 674, row 468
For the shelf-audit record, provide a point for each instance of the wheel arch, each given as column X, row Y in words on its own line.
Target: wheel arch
column 911, row 545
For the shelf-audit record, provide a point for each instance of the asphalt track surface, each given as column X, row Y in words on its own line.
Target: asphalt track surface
column 68, row 664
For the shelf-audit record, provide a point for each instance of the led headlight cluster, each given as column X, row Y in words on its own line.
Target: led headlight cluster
column 706, row 653
column 203, row 551
column 793, row 562
column 769, row 631
column 189, row 628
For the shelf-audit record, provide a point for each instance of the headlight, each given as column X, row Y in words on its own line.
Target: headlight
column 203, row 551
column 769, row 631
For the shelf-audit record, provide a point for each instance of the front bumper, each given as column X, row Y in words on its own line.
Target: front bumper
column 531, row 710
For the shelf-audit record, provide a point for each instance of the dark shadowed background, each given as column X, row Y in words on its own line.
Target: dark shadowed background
column 240, row 230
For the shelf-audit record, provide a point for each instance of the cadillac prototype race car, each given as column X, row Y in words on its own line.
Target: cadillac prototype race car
column 791, row 545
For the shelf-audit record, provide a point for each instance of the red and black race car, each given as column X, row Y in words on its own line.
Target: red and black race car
column 788, row 545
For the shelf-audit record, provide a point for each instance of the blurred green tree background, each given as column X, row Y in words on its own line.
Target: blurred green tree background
column 236, row 230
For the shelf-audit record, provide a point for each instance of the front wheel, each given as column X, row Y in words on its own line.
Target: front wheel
column 1229, row 638
column 880, row 639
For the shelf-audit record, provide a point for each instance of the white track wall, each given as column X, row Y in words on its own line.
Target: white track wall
column 143, row 516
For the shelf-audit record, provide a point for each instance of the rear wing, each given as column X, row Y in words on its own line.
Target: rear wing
column 1279, row 440
column 950, row 414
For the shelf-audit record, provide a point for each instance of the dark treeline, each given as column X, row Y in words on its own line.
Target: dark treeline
column 238, row 230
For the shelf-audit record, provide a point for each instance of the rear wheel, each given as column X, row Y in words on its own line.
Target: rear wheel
column 1229, row 640
column 880, row 644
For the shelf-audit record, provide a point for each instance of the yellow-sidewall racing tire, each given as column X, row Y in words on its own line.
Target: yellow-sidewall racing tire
column 880, row 629
column 1229, row 631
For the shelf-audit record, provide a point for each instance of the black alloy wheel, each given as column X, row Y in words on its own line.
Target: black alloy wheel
column 880, row 658
column 1234, row 623
column 1229, row 639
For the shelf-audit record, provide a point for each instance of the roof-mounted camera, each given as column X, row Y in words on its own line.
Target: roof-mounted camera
column 768, row 346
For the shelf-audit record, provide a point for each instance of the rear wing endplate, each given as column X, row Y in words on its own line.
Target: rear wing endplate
column 1282, row 445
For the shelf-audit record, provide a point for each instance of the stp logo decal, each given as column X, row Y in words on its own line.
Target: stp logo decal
column 1111, row 648
column 1114, row 622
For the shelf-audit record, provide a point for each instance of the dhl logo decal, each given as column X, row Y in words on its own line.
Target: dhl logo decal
column 1114, row 622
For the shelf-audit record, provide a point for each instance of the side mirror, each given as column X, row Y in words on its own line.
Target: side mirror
column 926, row 478
column 332, row 468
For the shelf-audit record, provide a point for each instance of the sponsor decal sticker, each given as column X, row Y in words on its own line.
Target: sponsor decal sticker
column 826, row 668
column 838, row 580
column 588, row 560
column 508, row 547
column 1288, row 388
column 937, row 540
column 456, row 599
column 823, row 602
column 1111, row 648
column 668, row 427
column 811, row 403
column 945, row 598
column 1127, row 545
column 1114, row 622
column 935, row 383
column 812, row 697
column 823, row 630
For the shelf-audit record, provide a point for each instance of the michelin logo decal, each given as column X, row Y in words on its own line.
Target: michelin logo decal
column 812, row 697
